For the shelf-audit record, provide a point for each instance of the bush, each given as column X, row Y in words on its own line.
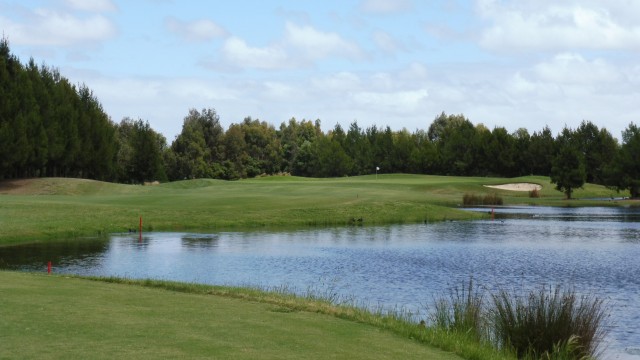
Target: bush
column 542, row 324
column 535, row 193
column 547, row 321
column 473, row 199
column 461, row 312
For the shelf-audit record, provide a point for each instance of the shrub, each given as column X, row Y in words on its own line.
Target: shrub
column 542, row 324
column 461, row 312
column 473, row 199
column 535, row 193
column 548, row 321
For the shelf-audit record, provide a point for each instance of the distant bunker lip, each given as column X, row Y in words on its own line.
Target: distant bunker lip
column 517, row 187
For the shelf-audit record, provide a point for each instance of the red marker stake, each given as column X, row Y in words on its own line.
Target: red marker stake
column 49, row 267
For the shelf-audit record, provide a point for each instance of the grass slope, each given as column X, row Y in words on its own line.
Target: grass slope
column 52, row 317
column 45, row 209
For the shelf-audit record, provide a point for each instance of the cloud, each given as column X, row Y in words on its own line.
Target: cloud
column 533, row 25
column 92, row 6
column 50, row 27
column 572, row 68
column 197, row 30
column 385, row 6
column 386, row 42
column 317, row 44
column 301, row 46
column 339, row 82
column 236, row 52
column 407, row 101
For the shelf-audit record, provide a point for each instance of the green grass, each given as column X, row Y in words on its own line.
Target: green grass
column 55, row 317
column 58, row 317
column 46, row 209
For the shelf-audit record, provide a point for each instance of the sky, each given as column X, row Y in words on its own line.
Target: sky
column 397, row 63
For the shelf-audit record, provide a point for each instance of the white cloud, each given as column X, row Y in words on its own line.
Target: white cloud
column 317, row 44
column 386, row 42
column 301, row 46
column 394, row 102
column 197, row 30
column 92, row 6
column 237, row 53
column 535, row 25
column 385, row 6
column 339, row 82
column 571, row 68
column 49, row 27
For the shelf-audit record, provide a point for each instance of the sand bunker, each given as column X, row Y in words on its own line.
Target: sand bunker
column 516, row 187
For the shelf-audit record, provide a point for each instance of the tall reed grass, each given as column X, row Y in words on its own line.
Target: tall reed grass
column 546, row 323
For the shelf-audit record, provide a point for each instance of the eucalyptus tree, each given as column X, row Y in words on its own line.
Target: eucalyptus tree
column 198, row 151
column 292, row 136
column 263, row 147
column 454, row 137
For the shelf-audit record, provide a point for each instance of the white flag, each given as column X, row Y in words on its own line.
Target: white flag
column 377, row 168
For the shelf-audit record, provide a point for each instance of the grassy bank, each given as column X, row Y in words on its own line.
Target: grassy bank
column 45, row 209
column 59, row 317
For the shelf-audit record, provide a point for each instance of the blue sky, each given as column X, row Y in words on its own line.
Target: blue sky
column 526, row 63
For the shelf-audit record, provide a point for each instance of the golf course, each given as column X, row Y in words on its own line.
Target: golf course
column 54, row 316
column 49, row 209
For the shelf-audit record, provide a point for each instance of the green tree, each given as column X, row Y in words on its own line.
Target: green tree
column 306, row 160
column 358, row 148
column 332, row 160
column 568, row 170
column 541, row 152
column 423, row 158
column 403, row 147
column 598, row 148
column 140, row 155
column 292, row 136
column 198, row 151
column 458, row 153
column 262, row 147
column 624, row 171
column 236, row 156
column 521, row 154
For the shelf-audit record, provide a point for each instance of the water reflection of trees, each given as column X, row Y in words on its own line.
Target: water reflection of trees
column 36, row 256
column 200, row 241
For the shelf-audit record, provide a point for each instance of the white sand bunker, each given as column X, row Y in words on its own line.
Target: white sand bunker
column 516, row 187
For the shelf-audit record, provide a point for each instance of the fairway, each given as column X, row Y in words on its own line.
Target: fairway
column 55, row 208
column 52, row 317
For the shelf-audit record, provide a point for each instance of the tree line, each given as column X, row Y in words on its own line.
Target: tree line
column 49, row 127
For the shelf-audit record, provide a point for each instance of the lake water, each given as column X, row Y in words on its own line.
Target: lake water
column 595, row 250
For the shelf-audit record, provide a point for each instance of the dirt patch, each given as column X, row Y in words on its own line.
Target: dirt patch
column 517, row 187
column 16, row 187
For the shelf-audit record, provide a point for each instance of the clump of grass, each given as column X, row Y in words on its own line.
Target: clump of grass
column 461, row 312
column 488, row 199
column 541, row 324
column 546, row 320
column 535, row 193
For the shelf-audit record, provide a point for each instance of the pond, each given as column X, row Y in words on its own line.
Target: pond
column 594, row 250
